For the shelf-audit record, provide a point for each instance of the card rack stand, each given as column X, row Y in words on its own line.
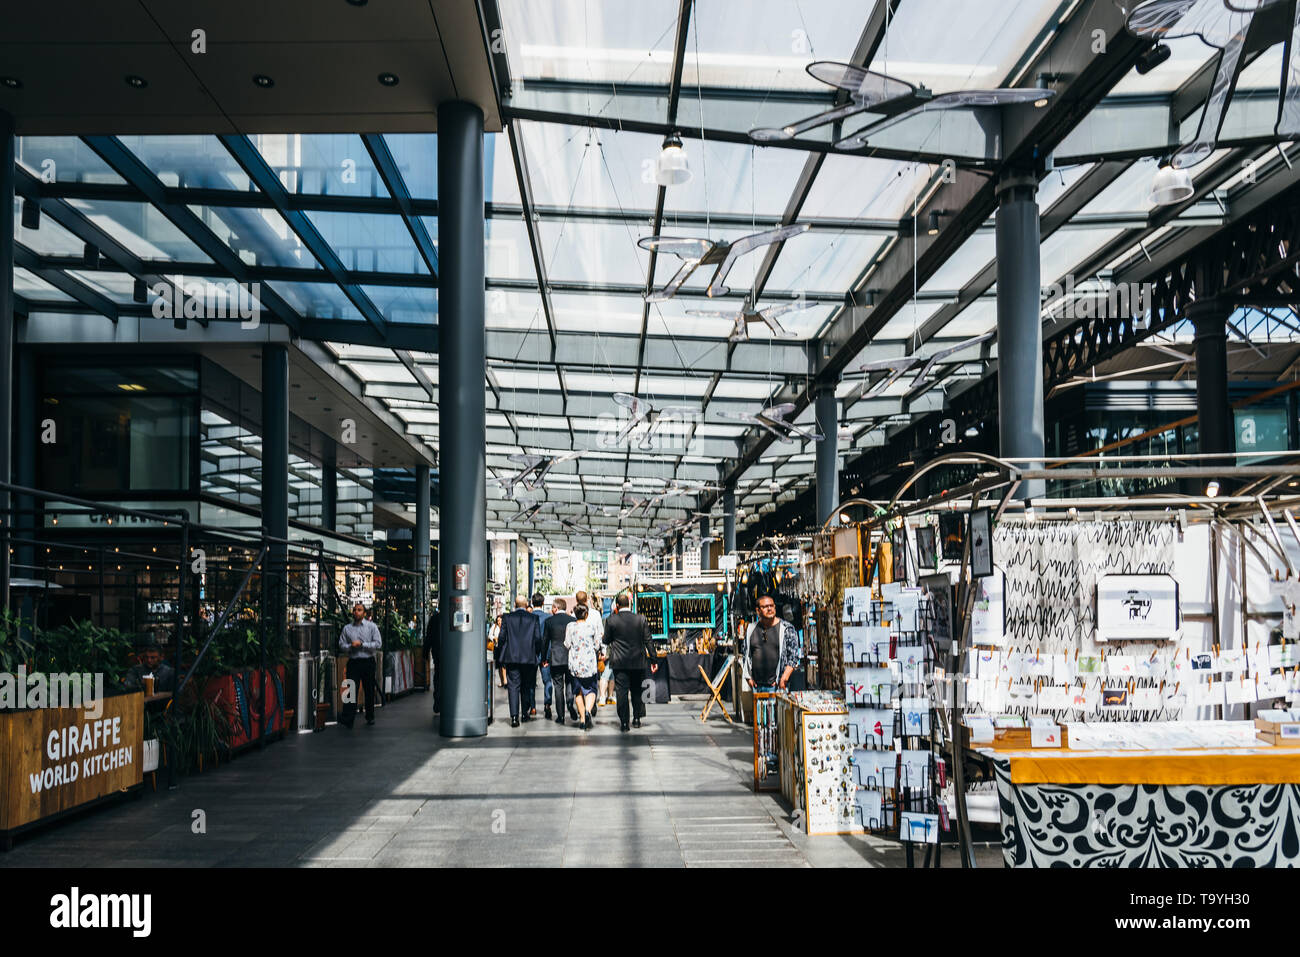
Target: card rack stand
column 888, row 786
column 871, row 721
column 767, row 742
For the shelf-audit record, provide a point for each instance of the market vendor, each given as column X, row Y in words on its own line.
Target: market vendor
column 151, row 664
column 771, row 650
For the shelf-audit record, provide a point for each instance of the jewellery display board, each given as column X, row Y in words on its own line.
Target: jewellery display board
column 816, row 762
column 767, row 756
column 653, row 606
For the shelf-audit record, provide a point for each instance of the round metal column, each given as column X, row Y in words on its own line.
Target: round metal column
column 462, row 424
column 1020, row 327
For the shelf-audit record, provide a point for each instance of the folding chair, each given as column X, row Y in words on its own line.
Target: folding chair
column 716, row 684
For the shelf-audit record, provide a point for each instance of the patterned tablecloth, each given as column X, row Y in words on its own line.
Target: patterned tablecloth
column 1080, row 819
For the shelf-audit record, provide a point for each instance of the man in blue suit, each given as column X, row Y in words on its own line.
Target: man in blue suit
column 521, row 636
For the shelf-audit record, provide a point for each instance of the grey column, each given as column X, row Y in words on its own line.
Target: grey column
column 514, row 574
column 462, row 419
column 828, row 451
column 705, row 544
column 1214, row 416
column 729, row 519
column 1020, row 327
column 275, row 477
column 329, row 485
column 6, row 331
column 422, row 541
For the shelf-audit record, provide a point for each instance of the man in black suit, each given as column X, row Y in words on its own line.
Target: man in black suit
column 555, row 652
column 521, row 636
column 627, row 635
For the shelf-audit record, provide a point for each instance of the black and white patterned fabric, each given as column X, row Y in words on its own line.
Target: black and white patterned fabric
column 1147, row 825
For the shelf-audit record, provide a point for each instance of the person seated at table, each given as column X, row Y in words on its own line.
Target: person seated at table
column 151, row 663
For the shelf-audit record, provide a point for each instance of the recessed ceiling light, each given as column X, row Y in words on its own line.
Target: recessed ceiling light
column 388, row 79
column 12, row 82
column 262, row 80
column 358, row 3
column 135, row 82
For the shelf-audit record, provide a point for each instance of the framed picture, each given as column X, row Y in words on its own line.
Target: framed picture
column 939, row 590
column 927, row 554
column 989, row 613
column 1137, row 608
column 981, row 543
column 952, row 533
column 898, row 550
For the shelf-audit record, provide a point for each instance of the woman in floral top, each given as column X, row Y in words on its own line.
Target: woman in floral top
column 582, row 638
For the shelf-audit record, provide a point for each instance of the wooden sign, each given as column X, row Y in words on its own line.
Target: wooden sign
column 55, row 759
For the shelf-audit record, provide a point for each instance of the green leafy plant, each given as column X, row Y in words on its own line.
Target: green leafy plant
column 83, row 646
column 190, row 730
column 16, row 645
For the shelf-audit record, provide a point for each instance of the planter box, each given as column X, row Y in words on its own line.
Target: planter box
column 243, row 696
column 34, row 785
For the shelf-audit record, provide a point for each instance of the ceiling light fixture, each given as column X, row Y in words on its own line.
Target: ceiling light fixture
column 1152, row 58
column 1170, row 185
column 12, row 82
column 388, row 79
column 262, row 80
column 672, row 167
column 1212, row 488
column 135, row 82
column 31, row 214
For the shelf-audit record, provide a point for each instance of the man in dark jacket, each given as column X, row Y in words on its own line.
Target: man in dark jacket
column 627, row 635
column 521, row 636
column 558, row 657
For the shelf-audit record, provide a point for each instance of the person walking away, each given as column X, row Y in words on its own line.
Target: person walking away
column 582, row 639
column 521, row 635
column 543, row 665
column 628, row 636
column 433, row 657
column 558, row 657
column 771, row 650
column 604, row 676
column 494, row 636
column 361, row 641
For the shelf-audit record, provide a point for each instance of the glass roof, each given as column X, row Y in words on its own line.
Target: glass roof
column 354, row 236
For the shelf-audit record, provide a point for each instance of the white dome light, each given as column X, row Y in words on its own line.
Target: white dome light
column 672, row 168
column 1170, row 186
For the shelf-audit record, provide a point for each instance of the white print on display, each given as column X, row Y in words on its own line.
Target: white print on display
column 857, row 605
column 1137, row 608
column 988, row 615
column 919, row 828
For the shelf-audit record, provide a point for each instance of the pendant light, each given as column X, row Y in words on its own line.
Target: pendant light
column 1170, row 185
column 672, row 168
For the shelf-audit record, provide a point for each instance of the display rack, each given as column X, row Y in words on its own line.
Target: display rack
column 816, row 762
column 767, row 733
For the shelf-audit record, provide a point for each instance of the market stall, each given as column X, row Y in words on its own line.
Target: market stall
column 688, row 619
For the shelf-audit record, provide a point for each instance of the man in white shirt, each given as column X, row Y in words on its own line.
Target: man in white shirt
column 361, row 641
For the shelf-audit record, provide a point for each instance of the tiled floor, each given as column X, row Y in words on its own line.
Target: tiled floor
column 676, row 793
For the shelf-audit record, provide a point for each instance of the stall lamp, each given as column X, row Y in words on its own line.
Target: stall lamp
column 672, row 167
column 844, row 518
column 719, row 586
column 1212, row 489
column 1170, row 186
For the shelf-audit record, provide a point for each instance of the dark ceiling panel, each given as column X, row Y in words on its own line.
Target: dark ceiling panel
column 325, row 57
